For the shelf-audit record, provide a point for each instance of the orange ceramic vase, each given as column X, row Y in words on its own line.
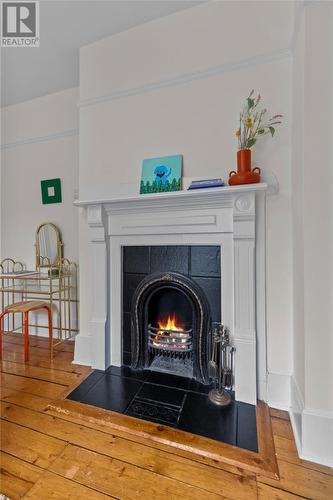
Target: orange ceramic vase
column 244, row 174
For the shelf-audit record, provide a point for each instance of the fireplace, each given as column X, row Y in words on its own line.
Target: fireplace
column 168, row 314
column 125, row 238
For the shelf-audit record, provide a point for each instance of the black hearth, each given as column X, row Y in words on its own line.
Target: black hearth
column 169, row 400
column 171, row 295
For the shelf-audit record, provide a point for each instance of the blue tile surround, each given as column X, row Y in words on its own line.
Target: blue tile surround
column 169, row 400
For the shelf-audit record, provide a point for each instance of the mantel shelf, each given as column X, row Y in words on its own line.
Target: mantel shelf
column 181, row 196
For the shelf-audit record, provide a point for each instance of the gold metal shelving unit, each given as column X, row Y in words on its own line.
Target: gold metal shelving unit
column 54, row 280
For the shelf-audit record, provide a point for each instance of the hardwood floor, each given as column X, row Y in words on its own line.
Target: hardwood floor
column 48, row 454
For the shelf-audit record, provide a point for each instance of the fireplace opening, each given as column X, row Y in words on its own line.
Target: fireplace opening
column 170, row 323
column 170, row 337
column 171, row 326
column 168, row 310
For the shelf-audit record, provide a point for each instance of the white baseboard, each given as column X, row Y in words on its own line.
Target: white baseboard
column 262, row 388
column 82, row 351
column 313, row 429
column 295, row 412
column 317, row 436
column 278, row 391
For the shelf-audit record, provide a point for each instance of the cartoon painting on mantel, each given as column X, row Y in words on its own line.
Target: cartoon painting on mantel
column 161, row 175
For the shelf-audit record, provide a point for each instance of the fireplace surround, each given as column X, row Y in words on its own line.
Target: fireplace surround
column 232, row 218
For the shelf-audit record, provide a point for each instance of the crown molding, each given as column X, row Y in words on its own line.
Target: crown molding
column 318, row 413
column 43, row 138
column 189, row 77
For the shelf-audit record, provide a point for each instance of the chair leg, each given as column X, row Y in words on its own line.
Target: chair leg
column 49, row 314
column 1, row 330
column 26, row 336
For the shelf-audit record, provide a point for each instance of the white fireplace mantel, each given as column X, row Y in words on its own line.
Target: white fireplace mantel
column 177, row 197
column 231, row 217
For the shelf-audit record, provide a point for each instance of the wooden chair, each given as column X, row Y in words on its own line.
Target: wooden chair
column 25, row 308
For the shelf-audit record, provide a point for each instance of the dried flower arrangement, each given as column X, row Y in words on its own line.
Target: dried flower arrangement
column 252, row 122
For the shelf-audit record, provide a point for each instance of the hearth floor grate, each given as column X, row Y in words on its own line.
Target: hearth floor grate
column 154, row 411
column 177, row 366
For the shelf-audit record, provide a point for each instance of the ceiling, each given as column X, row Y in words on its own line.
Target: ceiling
column 65, row 26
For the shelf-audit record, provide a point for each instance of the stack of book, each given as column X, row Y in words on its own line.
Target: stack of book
column 206, row 183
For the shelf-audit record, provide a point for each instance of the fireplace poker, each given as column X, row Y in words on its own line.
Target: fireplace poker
column 221, row 339
column 212, row 365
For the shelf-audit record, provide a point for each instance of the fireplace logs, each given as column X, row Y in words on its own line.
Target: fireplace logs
column 168, row 340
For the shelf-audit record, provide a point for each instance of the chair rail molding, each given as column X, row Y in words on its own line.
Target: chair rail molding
column 275, row 55
column 43, row 138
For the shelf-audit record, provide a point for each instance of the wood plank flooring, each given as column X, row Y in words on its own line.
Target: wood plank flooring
column 55, row 455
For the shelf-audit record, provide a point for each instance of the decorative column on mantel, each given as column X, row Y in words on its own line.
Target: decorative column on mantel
column 232, row 217
column 98, row 322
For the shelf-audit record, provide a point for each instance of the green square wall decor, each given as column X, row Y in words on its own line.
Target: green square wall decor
column 51, row 191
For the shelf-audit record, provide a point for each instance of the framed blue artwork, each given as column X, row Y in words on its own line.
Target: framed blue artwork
column 161, row 175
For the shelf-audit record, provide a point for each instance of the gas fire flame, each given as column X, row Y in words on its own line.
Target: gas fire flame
column 170, row 324
column 173, row 324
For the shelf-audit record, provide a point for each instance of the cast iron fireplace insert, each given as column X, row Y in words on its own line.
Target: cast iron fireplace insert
column 171, row 324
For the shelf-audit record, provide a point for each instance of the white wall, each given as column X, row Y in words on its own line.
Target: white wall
column 176, row 85
column 312, row 381
column 1, row 112
column 39, row 141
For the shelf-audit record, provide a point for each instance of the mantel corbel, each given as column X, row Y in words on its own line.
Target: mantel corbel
column 96, row 219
